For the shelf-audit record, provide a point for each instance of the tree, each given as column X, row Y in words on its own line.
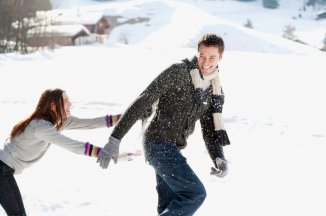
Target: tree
column 7, row 17
column 272, row 4
column 248, row 24
column 314, row 2
column 311, row 2
column 288, row 32
column 324, row 48
column 15, row 22
column 55, row 4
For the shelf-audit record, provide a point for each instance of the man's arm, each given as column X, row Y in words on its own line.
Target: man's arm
column 166, row 81
column 214, row 149
column 208, row 129
column 163, row 83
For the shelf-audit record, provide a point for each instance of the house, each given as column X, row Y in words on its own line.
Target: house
column 63, row 35
column 321, row 15
column 95, row 22
column 68, row 27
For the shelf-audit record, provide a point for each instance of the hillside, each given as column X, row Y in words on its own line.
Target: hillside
column 157, row 23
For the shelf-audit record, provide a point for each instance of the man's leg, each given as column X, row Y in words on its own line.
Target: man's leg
column 165, row 194
column 173, row 169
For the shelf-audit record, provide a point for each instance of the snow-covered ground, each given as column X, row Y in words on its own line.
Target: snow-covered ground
column 274, row 114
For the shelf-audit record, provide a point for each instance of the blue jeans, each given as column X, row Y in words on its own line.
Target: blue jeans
column 180, row 192
column 10, row 197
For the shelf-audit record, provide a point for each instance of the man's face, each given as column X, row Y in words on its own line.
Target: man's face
column 208, row 59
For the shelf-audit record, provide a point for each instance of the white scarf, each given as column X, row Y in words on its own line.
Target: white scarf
column 198, row 80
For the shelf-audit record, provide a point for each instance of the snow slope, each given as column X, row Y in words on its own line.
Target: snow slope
column 274, row 114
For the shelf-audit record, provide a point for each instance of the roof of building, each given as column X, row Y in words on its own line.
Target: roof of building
column 71, row 16
column 58, row 30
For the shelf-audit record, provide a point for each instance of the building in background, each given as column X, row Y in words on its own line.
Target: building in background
column 68, row 27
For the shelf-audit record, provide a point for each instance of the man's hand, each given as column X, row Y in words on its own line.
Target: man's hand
column 110, row 151
column 221, row 168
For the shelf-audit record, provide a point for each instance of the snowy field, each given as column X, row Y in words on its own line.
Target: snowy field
column 274, row 113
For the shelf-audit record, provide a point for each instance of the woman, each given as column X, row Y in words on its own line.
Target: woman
column 31, row 138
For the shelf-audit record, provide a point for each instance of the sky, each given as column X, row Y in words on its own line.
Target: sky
column 273, row 112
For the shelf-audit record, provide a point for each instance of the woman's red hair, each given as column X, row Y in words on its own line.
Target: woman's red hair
column 44, row 110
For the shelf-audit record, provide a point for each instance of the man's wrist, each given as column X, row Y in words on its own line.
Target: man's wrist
column 114, row 140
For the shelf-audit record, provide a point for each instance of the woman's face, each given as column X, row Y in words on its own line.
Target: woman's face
column 66, row 103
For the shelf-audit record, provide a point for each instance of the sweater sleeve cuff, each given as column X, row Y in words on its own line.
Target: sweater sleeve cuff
column 91, row 150
column 112, row 120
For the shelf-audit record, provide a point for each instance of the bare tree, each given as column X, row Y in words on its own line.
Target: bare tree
column 56, row 3
column 15, row 22
column 7, row 17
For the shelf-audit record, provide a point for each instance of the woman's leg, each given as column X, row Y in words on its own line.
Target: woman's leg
column 10, row 197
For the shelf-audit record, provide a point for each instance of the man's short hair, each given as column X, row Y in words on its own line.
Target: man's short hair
column 212, row 40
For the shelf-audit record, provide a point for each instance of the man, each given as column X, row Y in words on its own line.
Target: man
column 185, row 92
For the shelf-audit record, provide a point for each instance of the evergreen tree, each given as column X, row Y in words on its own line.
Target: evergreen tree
column 324, row 47
column 288, row 32
column 311, row 2
column 314, row 2
column 248, row 24
column 272, row 4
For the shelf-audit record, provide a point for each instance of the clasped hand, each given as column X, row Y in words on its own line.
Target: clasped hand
column 109, row 151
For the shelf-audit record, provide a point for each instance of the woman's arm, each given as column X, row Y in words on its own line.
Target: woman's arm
column 45, row 131
column 91, row 123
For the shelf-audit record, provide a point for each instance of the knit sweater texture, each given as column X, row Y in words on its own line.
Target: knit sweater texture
column 176, row 113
